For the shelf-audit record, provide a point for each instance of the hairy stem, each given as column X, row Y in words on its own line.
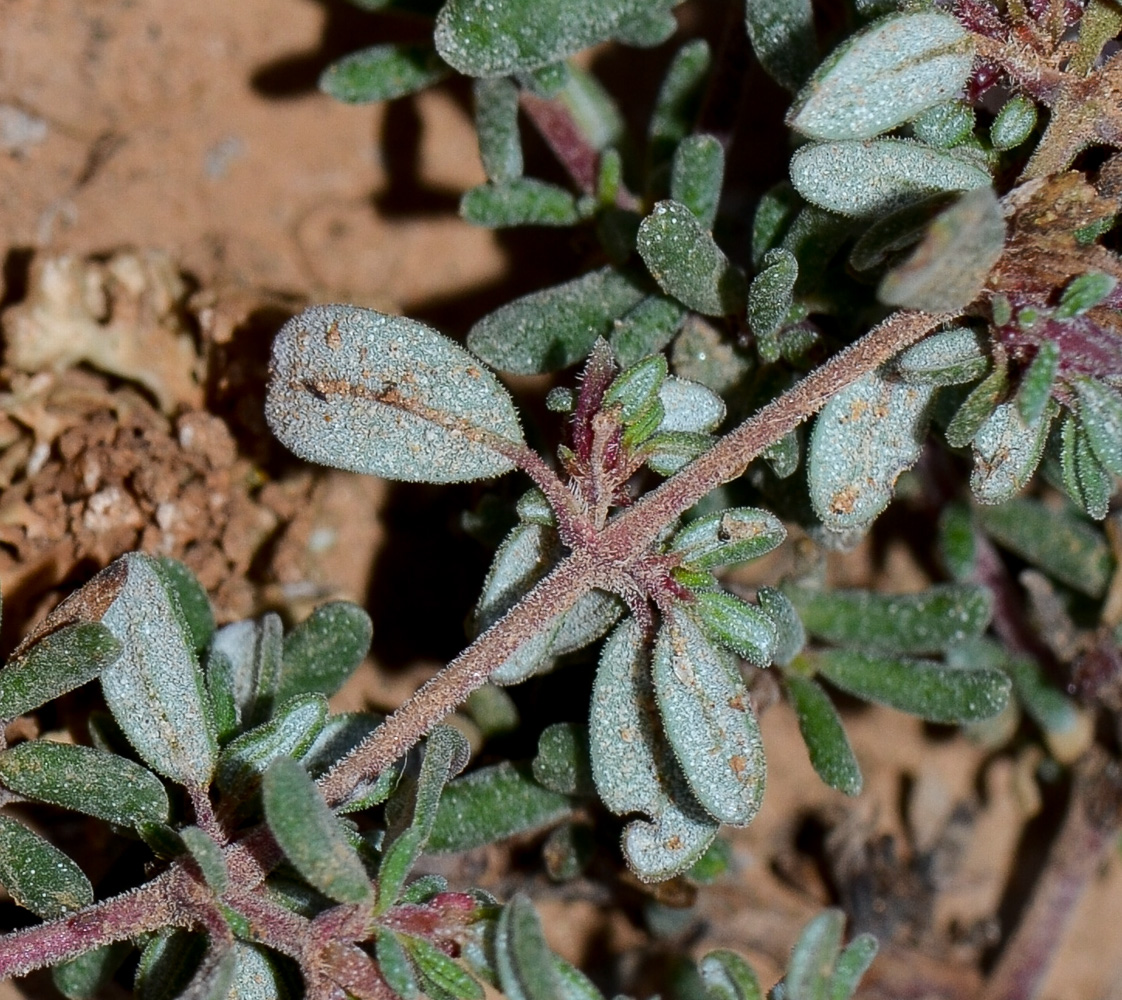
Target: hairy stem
column 600, row 561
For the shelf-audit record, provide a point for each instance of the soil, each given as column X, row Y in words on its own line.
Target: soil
column 172, row 187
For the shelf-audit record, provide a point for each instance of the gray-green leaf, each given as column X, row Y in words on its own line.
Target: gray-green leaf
column 37, row 875
column 359, row 390
column 382, row 73
column 708, row 721
column 324, row 650
column 783, row 37
column 309, row 834
column 885, row 75
column 85, row 780
column 556, row 327
column 522, row 201
column 685, row 260
column 830, row 753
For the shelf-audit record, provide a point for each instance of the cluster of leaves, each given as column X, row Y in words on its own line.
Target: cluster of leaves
column 216, row 735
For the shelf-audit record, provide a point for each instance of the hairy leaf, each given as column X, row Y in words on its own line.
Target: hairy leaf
column 646, row 329
column 697, row 175
column 830, row 753
column 920, row 687
column 492, row 804
column 522, row 201
column 678, row 101
column 193, row 601
column 554, row 328
column 358, row 390
column 634, row 768
column 1014, row 122
column 439, row 974
column 85, row 976
column 1100, row 413
column 783, row 37
column 727, row 537
column 976, row 408
column 727, row 976
column 394, row 965
column 865, row 436
column 496, row 125
column 1007, row 452
column 324, row 650
column 309, row 834
column 1036, row 383
column 790, row 635
column 950, row 357
column 927, row 622
column 37, row 875
column 382, row 73
column 686, row 262
column 885, row 75
column 497, row 37
column 59, row 662
column 1085, row 479
column 813, row 957
column 869, row 178
column 770, row 297
column 256, row 977
column 688, row 407
column 85, row 780
column 208, row 856
column 708, row 721
column 945, row 125
column 563, row 764
column 736, row 625
column 155, row 688
column 523, row 960
column 1064, row 546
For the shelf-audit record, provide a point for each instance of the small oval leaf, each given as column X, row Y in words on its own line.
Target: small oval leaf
column 728, row 537
column 37, row 875
column 830, row 753
column 324, row 650
column 382, row 73
column 359, row 390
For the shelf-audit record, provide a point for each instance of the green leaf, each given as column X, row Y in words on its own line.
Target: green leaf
column 636, row 388
column 957, row 542
column 220, row 692
column 394, row 965
column 382, row 73
column 59, row 662
column 775, row 211
column 523, row 201
column 830, row 753
column 1064, row 546
column 85, row 976
column 945, row 125
column 726, row 538
column 1084, row 293
column 950, row 357
column 496, row 125
column 289, row 733
column 708, row 720
column 37, row 875
column 85, row 780
column 491, row 804
column 783, row 38
column 208, row 856
column 770, row 297
column 436, row 968
column 417, row 801
column 885, row 75
column 256, row 976
column 865, row 436
column 689, row 407
column 340, row 735
column 976, row 408
column 492, row 710
column 155, row 689
column 813, row 957
column 497, row 37
column 562, row 763
column 1007, row 452
column 646, row 329
column 686, row 262
column 948, row 269
column 920, row 687
column 310, row 835
column 852, row 964
column 1100, row 414
column 595, row 112
column 927, row 622
column 870, row 178
column 167, row 964
column 727, row 976
column 696, row 176
column 1014, row 122
column 523, row 960
column 554, row 328
column 736, row 625
column 679, row 99
column 324, row 650
column 1036, row 384
column 572, row 984
column 635, row 770
column 358, row 390
column 193, row 601
column 790, row 635
column 1085, row 479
